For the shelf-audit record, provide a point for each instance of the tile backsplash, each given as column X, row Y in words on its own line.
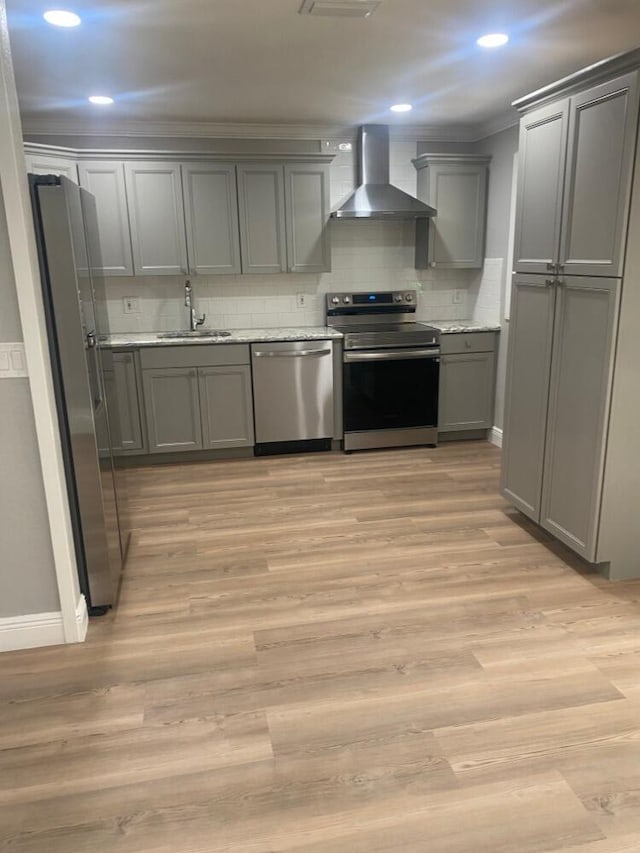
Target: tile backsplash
column 366, row 255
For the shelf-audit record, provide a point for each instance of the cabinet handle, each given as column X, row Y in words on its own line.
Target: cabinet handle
column 550, row 266
column 549, row 281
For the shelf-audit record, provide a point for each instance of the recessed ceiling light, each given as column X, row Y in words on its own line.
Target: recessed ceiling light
column 493, row 40
column 401, row 108
column 62, row 18
column 101, row 100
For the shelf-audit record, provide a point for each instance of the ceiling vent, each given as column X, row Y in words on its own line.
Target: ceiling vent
column 340, row 8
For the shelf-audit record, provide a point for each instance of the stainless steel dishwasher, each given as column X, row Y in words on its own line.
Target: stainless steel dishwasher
column 292, row 395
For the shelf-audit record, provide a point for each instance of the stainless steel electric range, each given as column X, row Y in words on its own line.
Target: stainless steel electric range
column 391, row 367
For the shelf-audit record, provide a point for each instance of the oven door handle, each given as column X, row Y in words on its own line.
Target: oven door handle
column 392, row 355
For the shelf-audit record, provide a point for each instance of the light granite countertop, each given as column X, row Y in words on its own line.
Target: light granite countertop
column 237, row 336
column 452, row 327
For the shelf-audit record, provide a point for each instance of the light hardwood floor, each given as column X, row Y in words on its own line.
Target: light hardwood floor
column 333, row 653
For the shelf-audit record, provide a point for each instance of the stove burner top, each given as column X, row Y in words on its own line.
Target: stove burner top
column 379, row 320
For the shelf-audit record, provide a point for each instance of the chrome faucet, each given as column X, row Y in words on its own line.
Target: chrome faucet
column 194, row 320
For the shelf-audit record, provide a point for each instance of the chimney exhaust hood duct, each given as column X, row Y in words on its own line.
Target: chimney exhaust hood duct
column 375, row 197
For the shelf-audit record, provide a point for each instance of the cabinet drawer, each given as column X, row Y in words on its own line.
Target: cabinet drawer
column 467, row 342
column 194, row 356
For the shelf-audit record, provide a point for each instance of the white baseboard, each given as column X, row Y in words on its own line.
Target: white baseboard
column 495, row 436
column 40, row 629
column 82, row 618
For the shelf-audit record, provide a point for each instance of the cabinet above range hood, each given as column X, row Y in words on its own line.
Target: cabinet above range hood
column 375, row 197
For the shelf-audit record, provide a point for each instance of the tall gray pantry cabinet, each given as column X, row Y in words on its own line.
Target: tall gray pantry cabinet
column 570, row 457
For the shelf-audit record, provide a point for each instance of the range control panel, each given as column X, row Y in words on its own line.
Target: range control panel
column 370, row 302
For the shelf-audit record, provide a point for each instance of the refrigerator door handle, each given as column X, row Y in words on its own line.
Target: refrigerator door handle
column 95, row 378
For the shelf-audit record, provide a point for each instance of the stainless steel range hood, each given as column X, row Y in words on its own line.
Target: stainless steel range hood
column 375, row 197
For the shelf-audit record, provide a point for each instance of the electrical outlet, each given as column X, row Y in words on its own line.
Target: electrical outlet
column 458, row 297
column 131, row 305
column 301, row 300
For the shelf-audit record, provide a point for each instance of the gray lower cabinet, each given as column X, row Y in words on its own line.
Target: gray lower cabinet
column 211, row 214
column 226, row 406
column 172, row 407
column 105, row 180
column 456, row 185
column 527, row 391
column 156, row 214
column 197, row 397
column 580, row 389
column 559, row 376
column 124, row 404
column 467, row 382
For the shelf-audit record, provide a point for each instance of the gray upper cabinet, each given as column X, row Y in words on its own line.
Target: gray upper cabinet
column 172, row 406
column 601, row 147
column 456, row 185
column 211, row 212
column 527, row 391
column 581, row 376
column 307, row 217
column 541, row 165
column 262, row 218
column 50, row 164
column 226, row 406
column 156, row 215
column 574, row 182
column 105, row 180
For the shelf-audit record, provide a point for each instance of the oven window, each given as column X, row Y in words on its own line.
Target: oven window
column 390, row 394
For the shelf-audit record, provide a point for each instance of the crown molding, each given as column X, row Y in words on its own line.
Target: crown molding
column 508, row 119
column 33, row 126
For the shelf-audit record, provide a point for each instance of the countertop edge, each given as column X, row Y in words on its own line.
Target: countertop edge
column 128, row 340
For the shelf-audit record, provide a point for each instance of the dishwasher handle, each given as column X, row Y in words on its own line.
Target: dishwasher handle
column 290, row 353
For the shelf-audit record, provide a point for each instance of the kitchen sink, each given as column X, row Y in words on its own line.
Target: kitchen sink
column 198, row 333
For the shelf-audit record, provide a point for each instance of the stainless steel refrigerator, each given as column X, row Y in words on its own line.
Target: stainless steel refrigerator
column 75, row 309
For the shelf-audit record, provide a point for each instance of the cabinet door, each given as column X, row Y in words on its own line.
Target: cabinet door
column 211, row 211
column 459, row 193
column 262, row 226
column 45, row 164
column 602, row 136
column 542, row 158
column 466, row 391
column 582, row 367
column 307, row 212
column 156, row 214
column 123, row 400
column 105, row 180
column 527, row 391
column 172, row 409
column 226, row 406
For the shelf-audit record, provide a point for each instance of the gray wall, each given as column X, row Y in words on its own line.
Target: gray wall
column 27, row 574
column 501, row 146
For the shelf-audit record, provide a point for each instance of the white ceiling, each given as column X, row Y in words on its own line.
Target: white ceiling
column 259, row 61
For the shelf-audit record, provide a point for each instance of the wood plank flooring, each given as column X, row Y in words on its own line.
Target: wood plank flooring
column 328, row 653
